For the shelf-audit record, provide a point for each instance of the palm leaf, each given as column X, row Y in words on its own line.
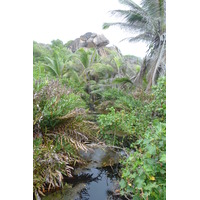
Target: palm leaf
column 74, row 75
column 51, row 67
column 123, row 80
column 148, row 21
column 146, row 37
column 84, row 57
column 99, row 69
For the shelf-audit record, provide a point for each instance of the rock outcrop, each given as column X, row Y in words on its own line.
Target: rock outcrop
column 89, row 40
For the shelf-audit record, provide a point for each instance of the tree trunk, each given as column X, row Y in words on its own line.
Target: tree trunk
column 152, row 80
column 158, row 61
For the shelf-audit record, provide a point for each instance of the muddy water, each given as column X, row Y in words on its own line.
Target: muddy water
column 95, row 181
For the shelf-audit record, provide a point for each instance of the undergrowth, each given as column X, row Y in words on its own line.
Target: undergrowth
column 141, row 120
column 60, row 130
column 129, row 118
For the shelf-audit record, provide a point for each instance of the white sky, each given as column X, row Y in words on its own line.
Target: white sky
column 69, row 19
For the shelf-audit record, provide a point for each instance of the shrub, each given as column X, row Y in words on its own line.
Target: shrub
column 40, row 51
column 143, row 123
column 49, row 165
column 128, row 103
column 60, row 129
column 51, row 101
column 112, row 94
column 144, row 172
column 117, row 124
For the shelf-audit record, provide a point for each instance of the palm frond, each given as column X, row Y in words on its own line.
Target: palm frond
column 148, row 21
column 73, row 75
column 51, row 67
column 99, row 69
column 50, row 60
column 84, row 57
column 123, row 80
column 145, row 37
column 130, row 4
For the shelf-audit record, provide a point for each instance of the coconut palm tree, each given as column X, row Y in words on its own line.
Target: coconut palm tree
column 148, row 23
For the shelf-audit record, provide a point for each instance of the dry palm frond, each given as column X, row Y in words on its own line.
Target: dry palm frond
column 77, row 144
column 74, row 113
column 49, row 167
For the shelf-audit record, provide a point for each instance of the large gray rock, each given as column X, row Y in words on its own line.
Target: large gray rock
column 74, row 45
column 100, row 41
column 89, row 40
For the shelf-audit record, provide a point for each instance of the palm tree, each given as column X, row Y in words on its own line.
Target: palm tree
column 148, row 21
column 59, row 64
column 55, row 66
column 86, row 57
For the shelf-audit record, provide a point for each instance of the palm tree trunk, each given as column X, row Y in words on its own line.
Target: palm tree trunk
column 152, row 80
column 158, row 60
column 137, row 80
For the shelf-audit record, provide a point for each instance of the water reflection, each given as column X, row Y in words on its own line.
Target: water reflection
column 98, row 184
column 95, row 181
column 90, row 184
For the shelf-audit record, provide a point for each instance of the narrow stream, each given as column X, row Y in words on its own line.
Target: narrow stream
column 95, row 181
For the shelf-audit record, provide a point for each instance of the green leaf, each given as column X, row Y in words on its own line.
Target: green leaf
column 136, row 198
column 163, row 158
column 106, row 25
column 151, row 149
column 127, row 173
column 139, row 182
column 122, row 80
column 150, row 186
column 122, row 183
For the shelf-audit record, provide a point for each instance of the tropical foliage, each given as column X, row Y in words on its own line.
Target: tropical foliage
column 139, row 124
column 147, row 22
column 69, row 87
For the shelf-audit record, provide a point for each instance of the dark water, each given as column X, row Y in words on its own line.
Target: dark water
column 96, row 181
column 100, row 184
column 90, row 184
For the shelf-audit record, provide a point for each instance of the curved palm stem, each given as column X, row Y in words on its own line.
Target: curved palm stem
column 159, row 59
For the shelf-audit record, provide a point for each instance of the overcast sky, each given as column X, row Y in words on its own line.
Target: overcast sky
column 69, row 19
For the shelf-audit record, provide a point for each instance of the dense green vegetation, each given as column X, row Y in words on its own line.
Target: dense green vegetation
column 140, row 120
column 68, row 87
column 131, row 119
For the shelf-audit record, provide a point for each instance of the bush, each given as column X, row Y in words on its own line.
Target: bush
column 128, row 103
column 39, row 71
column 59, row 131
column 58, row 107
column 116, row 124
column 112, row 94
column 144, row 172
column 40, row 51
column 158, row 105
column 78, row 88
column 50, row 164
column 51, row 101
column 142, row 122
